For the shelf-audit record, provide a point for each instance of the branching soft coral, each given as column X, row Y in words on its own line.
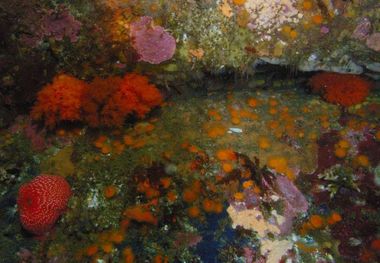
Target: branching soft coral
column 59, row 101
column 342, row 89
column 94, row 99
column 103, row 102
column 135, row 95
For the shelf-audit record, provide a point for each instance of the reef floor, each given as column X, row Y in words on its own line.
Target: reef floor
column 271, row 175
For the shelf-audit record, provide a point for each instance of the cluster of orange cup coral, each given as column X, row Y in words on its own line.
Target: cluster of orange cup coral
column 342, row 89
column 103, row 102
column 134, row 95
column 96, row 97
column 60, row 101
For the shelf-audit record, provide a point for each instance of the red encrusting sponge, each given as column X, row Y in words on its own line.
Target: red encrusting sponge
column 42, row 201
column 341, row 89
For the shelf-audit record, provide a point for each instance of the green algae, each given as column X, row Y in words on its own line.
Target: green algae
column 60, row 163
column 206, row 29
column 17, row 162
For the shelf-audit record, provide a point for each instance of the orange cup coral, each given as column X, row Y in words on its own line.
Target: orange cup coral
column 59, row 101
column 99, row 92
column 103, row 102
column 141, row 213
column 135, row 95
column 342, row 89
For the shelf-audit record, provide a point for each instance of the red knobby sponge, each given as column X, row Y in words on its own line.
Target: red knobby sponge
column 342, row 89
column 41, row 202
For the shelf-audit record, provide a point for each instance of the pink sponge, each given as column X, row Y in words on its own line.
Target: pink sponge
column 152, row 43
column 41, row 202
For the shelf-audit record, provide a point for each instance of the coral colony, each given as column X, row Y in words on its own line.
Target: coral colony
column 104, row 102
column 242, row 131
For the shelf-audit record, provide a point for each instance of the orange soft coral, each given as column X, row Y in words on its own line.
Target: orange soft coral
column 94, row 99
column 342, row 89
column 59, row 101
column 103, row 102
column 135, row 95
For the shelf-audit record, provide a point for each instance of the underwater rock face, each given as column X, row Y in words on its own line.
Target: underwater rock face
column 252, row 219
column 363, row 29
column 152, row 43
column 24, row 124
column 157, row 181
column 346, row 65
column 374, row 67
column 373, row 42
column 295, row 202
column 179, row 141
column 274, row 250
column 268, row 16
column 54, row 24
